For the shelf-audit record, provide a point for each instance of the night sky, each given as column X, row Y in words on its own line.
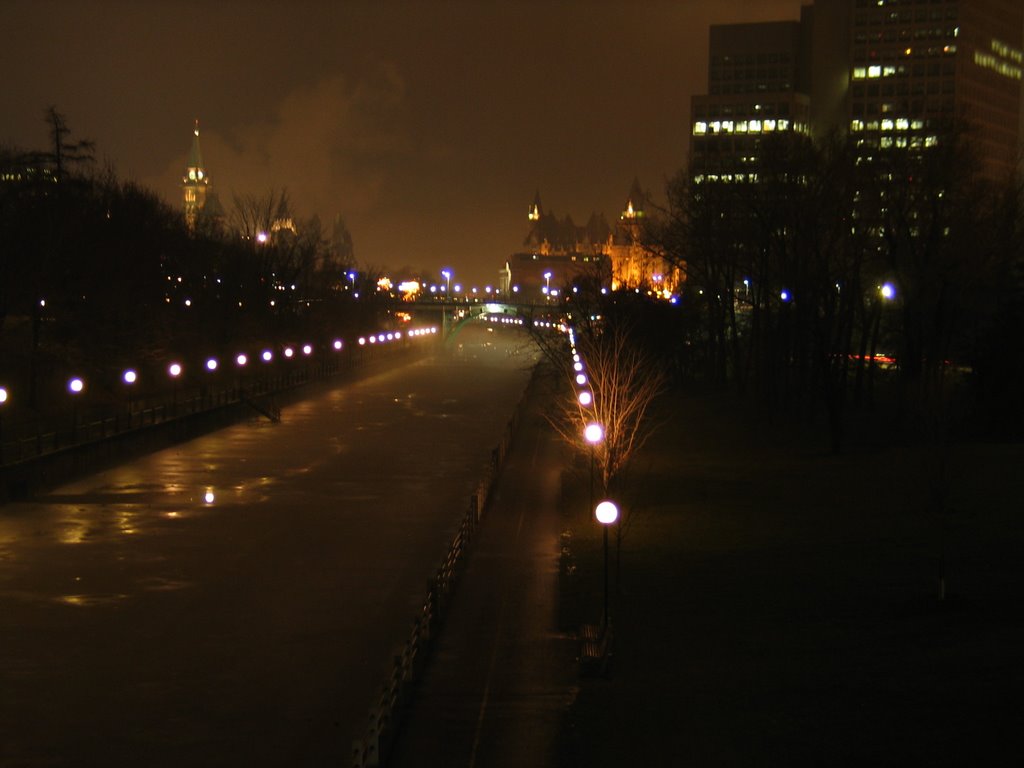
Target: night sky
column 428, row 126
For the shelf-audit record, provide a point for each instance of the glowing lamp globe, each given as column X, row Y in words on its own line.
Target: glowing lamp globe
column 606, row 512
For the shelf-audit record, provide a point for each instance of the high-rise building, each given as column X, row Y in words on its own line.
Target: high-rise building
column 758, row 85
column 921, row 71
column 890, row 74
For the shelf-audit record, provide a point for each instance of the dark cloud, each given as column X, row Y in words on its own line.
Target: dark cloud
column 428, row 125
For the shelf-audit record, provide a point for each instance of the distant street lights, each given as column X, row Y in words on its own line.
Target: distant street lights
column 447, row 275
column 606, row 513
column 547, row 283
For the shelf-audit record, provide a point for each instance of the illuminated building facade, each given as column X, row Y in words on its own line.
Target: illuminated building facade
column 890, row 74
column 558, row 252
column 634, row 264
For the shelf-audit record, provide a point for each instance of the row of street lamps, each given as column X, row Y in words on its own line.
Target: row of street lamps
column 76, row 385
column 606, row 512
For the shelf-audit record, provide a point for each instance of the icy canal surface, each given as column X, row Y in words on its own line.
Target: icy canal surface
column 236, row 600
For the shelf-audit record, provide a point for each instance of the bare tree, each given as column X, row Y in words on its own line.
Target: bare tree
column 62, row 152
column 623, row 379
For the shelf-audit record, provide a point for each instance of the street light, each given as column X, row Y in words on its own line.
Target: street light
column 547, row 282
column 606, row 513
column 447, row 275
column 593, row 434
column 75, row 386
column 174, row 371
column 3, row 399
column 129, row 377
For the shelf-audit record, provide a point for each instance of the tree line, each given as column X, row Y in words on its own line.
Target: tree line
column 839, row 281
column 97, row 272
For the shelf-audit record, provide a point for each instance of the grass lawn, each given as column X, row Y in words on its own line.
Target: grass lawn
column 776, row 605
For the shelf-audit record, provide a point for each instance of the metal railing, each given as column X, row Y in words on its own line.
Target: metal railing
column 388, row 707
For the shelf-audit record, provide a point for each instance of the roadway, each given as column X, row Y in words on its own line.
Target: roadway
column 236, row 600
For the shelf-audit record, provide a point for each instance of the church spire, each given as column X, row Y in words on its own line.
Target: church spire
column 195, row 182
column 535, row 210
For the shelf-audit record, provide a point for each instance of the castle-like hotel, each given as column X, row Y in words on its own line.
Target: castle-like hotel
column 558, row 253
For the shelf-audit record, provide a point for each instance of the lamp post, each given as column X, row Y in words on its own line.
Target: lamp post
column 174, row 371
column 447, row 275
column 547, row 283
column 75, row 387
column 593, row 434
column 3, row 400
column 241, row 360
column 606, row 513
column 129, row 377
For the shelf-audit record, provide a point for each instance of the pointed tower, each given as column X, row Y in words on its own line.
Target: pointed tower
column 195, row 182
column 536, row 211
column 634, row 203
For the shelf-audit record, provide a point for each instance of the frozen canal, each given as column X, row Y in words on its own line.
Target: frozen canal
column 142, row 624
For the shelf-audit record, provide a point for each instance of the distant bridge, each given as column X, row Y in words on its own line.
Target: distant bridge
column 456, row 313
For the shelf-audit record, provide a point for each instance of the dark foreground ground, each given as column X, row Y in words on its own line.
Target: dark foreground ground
column 775, row 605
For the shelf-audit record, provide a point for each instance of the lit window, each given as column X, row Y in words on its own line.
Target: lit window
column 727, row 126
column 768, row 125
column 888, row 70
column 902, row 124
column 741, row 126
column 783, row 125
column 887, row 124
column 755, row 126
column 885, row 142
column 700, row 128
column 859, row 73
column 874, row 71
column 856, row 125
column 931, row 141
column 715, row 126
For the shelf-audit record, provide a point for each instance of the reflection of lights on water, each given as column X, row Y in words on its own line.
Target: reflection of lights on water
column 125, row 522
column 75, row 532
column 172, row 514
column 209, row 497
